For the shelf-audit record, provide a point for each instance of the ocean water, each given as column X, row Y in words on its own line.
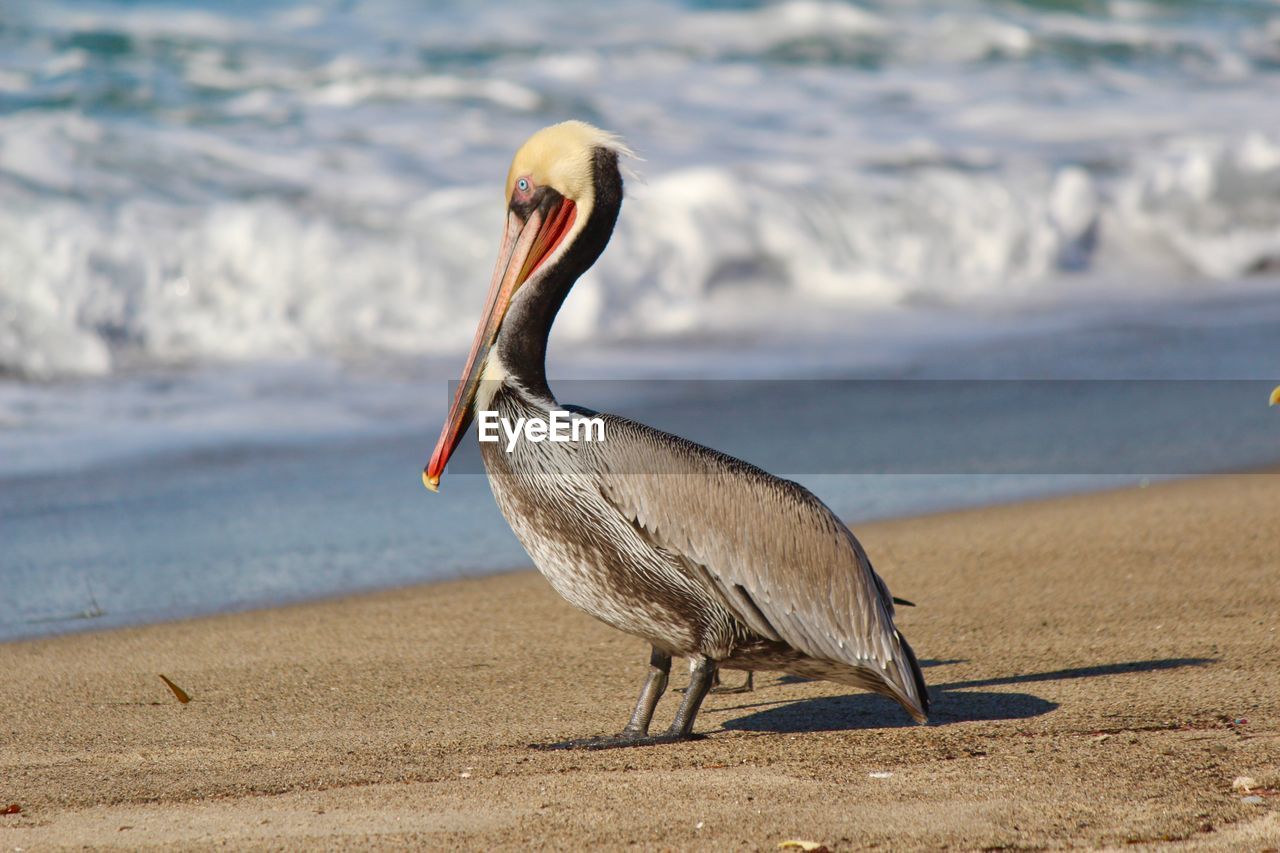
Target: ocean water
column 243, row 245
column 192, row 183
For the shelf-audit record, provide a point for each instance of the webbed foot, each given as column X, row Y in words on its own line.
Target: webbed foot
column 620, row 741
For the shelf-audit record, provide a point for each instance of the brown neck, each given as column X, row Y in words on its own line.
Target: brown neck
column 522, row 343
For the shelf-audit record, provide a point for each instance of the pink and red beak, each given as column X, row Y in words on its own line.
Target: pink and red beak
column 525, row 246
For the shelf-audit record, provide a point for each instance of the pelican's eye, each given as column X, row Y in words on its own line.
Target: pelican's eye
column 523, row 186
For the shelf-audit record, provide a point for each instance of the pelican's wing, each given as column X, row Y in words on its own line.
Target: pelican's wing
column 781, row 561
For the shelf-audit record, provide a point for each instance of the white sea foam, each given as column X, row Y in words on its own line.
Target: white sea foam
column 705, row 249
column 204, row 186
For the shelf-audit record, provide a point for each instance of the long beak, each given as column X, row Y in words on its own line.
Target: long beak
column 525, row 245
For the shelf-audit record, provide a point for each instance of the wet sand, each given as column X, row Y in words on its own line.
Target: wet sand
column 1102, row 668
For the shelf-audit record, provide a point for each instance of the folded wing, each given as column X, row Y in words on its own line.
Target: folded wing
column 779, row 558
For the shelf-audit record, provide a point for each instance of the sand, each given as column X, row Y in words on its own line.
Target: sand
column 1102, row 668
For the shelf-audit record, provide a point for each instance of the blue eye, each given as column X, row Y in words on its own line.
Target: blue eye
column 523, row 185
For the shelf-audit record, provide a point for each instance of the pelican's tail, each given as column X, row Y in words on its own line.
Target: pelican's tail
column 898, row 679
column 917, row 705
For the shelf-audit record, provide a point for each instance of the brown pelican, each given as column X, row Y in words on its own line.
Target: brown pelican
column 698, row 553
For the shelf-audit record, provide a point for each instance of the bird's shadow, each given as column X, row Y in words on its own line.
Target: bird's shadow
column 952, row 702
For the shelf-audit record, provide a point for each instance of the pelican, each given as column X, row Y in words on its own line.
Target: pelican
column 695, row 552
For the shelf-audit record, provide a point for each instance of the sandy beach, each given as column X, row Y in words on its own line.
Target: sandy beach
column 1102, row 668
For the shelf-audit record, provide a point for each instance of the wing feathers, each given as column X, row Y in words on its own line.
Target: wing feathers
column 776, row 556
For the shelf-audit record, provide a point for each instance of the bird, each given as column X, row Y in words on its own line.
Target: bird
column 699, row 554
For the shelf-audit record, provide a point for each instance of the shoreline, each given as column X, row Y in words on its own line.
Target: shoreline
column 1102, row 666
column 80, row 623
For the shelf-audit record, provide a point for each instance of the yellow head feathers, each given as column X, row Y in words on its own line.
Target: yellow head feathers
column 560, row 157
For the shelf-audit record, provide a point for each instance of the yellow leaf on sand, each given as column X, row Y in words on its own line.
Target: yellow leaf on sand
column 807, row 846
column 177, row 691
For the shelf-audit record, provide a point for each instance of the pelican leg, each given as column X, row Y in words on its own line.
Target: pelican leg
column 700, row 676
column 747, row 686
column 654, row 686
column 636, row 732
column 717, row 686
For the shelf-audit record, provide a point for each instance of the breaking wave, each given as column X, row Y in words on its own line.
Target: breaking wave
column 701, row 250
column 187, row 185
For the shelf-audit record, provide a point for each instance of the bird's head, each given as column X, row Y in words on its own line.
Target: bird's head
column 562, row 196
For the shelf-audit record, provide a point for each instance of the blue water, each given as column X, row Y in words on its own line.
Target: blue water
column 242, row 246
column 174, row 531
column 236, row 527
